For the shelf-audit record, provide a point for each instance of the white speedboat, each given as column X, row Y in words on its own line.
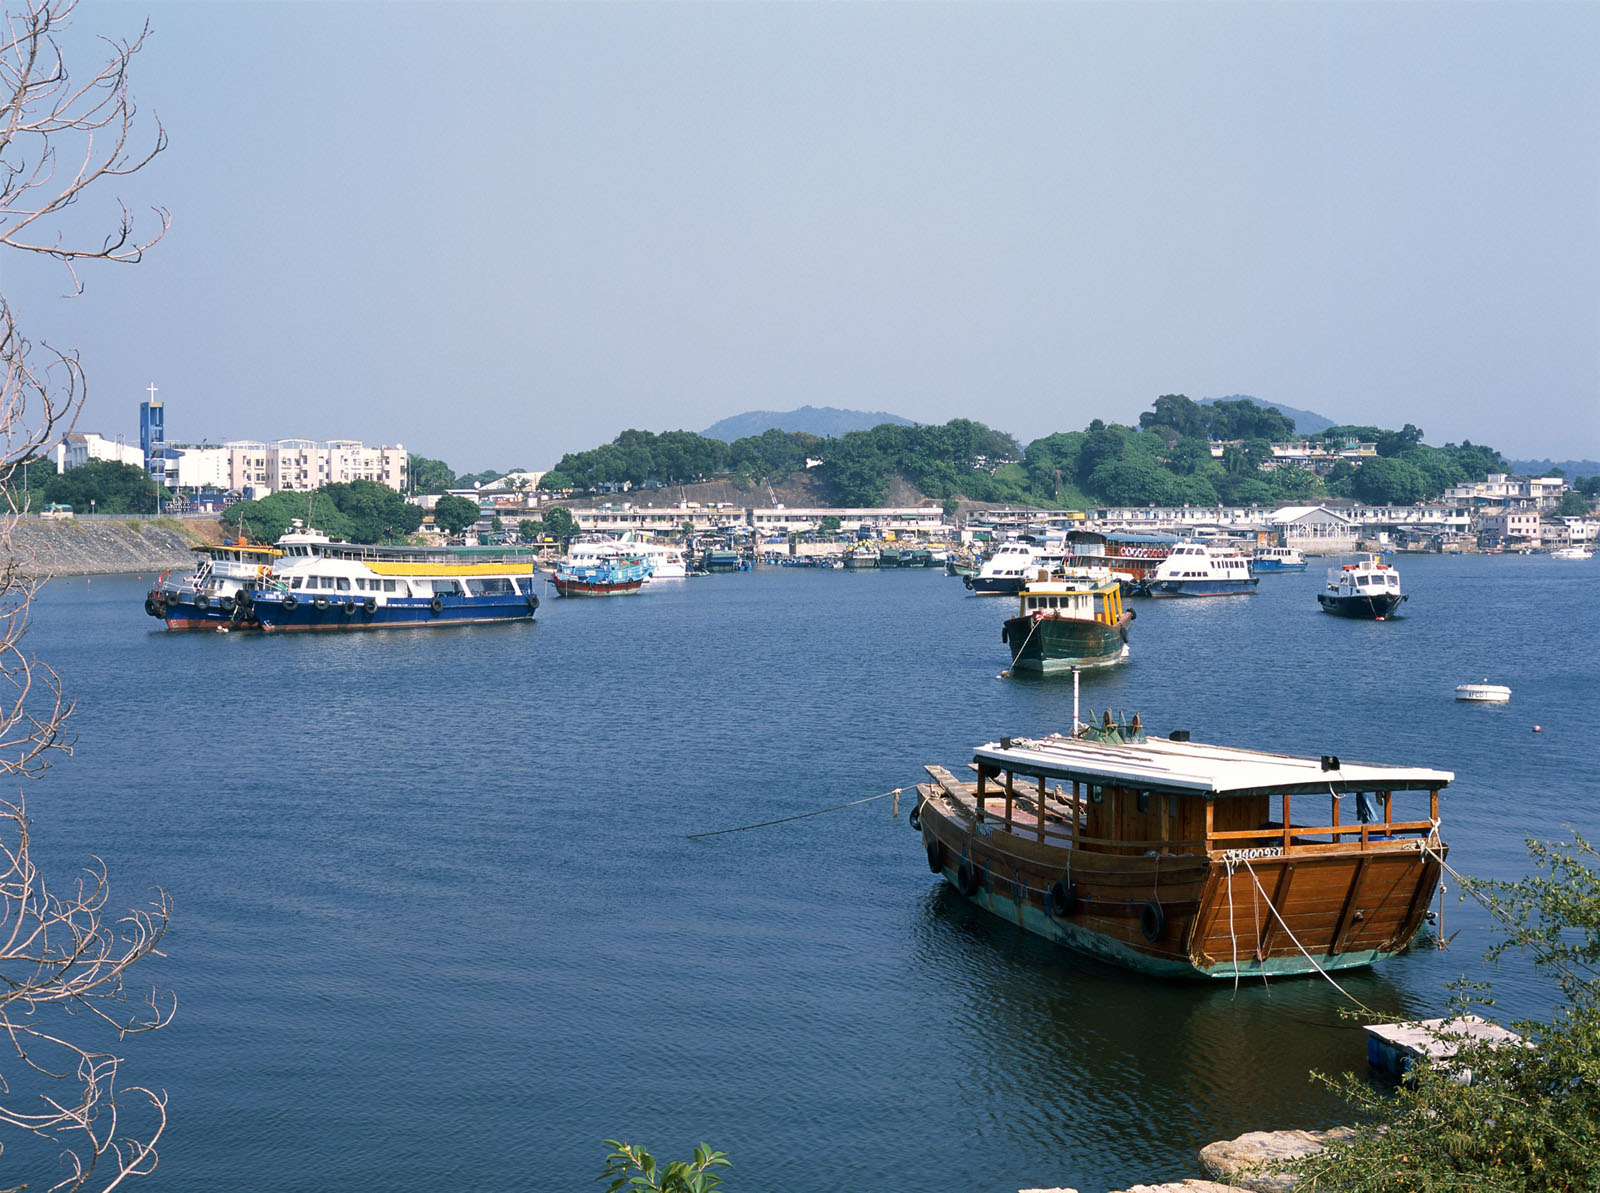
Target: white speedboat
column 1572, row 553
column 1278, row 559
column 1483, row 693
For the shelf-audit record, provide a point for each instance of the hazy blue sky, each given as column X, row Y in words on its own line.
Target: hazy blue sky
column 497, row 232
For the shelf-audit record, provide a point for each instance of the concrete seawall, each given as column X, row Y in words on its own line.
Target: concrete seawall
column 93, row 547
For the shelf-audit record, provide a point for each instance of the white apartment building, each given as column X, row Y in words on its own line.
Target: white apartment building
column 77, row 448
column 1499, row 488
column 304, row 464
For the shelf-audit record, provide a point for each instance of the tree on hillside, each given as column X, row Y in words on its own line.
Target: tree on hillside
column 1388, row 482
column 1187, row 418
column 454, row 514
column 67, row 959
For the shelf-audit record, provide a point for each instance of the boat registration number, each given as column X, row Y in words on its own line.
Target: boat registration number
column 1250, row 855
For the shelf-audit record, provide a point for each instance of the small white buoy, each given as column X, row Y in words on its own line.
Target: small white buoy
column 1538, row 728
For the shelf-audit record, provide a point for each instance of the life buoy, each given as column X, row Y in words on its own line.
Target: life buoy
column 437, row 604
column 967, row 879
column 289, row 602
column 1061, row 899
column 319, row 603
column 935, row 855
column 226, row 604
column 1152, row 921
column 369, row 606
column 202, row 601
column 915, row 819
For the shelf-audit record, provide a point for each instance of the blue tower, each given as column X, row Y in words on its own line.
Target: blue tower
column 152, row 425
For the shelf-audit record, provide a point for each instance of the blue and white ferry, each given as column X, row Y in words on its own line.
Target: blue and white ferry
column 1203, row 569
column 1278, row 559
column 320, row 584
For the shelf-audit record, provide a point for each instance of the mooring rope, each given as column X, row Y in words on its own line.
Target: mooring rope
column 1366, row 1010
column 801, row 815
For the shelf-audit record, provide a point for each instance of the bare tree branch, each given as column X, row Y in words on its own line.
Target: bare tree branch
column 66, row 1002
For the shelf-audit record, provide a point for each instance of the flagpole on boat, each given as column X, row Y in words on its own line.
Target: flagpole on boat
column 1074, row 702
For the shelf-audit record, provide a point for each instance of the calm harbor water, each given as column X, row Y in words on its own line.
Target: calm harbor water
column 440, row 924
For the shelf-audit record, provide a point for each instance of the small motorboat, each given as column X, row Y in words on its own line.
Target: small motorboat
column 1483, row 693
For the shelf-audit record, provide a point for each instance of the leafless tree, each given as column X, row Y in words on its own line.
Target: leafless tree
column 66, row 996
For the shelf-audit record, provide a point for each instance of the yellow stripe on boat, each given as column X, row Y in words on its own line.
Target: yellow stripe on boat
column 384, row 568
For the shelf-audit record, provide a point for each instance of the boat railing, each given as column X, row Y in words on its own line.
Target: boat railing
column 1291, row 835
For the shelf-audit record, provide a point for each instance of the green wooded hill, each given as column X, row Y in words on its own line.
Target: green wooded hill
column 1165, row 460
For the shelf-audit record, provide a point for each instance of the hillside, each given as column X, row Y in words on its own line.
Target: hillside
column 1571, row 469
column 1306, row 422
column 826, row 421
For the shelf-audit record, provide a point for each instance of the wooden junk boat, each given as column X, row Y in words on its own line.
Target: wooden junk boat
column 1181, row 859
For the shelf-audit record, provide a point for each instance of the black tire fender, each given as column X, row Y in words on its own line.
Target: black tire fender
column 289, row 602
column 150, row 607
column 1152, row 921
column 319, row 603
column 935, row 855
column 437, row 604
column 967, row 878
column 226, row 604
column 1061, row 899
column 915, row 819
column 369, row 606
column 202, row 601
column 348, row 608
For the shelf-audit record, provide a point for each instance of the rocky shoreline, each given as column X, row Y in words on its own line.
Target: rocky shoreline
column 96, row 547
column 1248, row 1164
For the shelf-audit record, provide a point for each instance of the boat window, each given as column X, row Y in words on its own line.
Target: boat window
column 344, row 583
column 388, row 586
column 490, row 586
column 1143, row 801
column 295, row 583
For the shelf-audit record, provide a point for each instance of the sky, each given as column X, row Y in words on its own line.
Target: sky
column 500, row 232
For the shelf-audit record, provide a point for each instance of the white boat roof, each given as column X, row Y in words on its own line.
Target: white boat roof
column 1194, row 768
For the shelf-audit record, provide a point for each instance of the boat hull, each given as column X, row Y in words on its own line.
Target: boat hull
column 179, row 612
column 1186, row 915
column 995, row 585
column 1203, row 588
column 573, row 587
column 394, row 614
column 1366, row 607
column 1272, row 565
column 1049, row 645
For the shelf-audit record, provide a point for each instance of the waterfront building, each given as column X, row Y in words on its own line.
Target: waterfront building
column 77, row 448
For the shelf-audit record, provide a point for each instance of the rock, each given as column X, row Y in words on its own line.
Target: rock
column 1186, row 1186
column 1230, row 1159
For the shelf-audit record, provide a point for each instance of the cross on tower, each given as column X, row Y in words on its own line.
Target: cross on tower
column 152, row 391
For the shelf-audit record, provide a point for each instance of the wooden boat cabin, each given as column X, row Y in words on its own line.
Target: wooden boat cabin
column 1182, row 859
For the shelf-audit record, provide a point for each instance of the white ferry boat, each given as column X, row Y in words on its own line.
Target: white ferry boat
column 1203, row 569
column 322, row 584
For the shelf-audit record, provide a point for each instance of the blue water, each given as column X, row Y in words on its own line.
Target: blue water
column 440, row 925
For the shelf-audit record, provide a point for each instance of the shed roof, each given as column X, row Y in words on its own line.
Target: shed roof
column 1195, row 768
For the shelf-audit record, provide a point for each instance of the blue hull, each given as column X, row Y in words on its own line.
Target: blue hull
column 1260, row 566
column 404, row 613
column 1202, row 588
